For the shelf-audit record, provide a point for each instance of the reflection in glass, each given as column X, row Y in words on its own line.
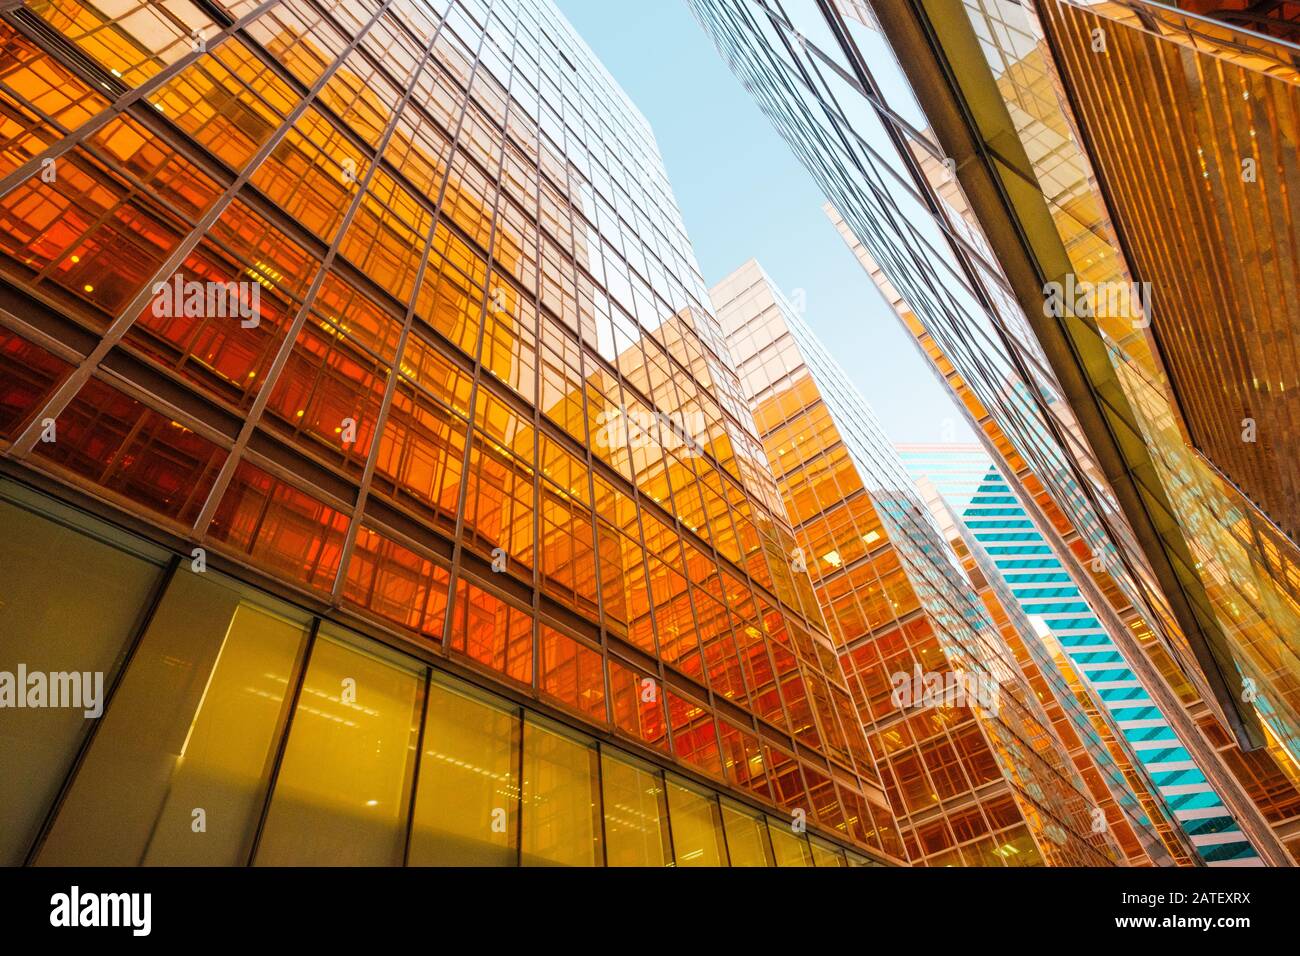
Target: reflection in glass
column 826, row 854
column 636, row 813
column 343, row 792
column 561, row 803
column 790, row 848
column 467, row 800
column 697, row 826
column 68, row 603
column 178, row 773
column 747, row 840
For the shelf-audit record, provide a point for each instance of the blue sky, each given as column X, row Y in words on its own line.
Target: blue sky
column 742, row 193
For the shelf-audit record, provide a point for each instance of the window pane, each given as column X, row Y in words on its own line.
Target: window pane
column 824, row 854
column 68, row 603
column 636, row 814
column 561, row 804
column 746, row 837
column 178, row 773
column 697, row 826
column 467, row 800
column 285, row 529
column 573, row 673
column 791, row 849
column 344, row 788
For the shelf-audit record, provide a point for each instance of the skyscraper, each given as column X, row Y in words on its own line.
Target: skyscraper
column 1040, row 584
column 938, row 132
column 376, row 486
column 1144, row 827
column 974, row 777
column 1191, row 153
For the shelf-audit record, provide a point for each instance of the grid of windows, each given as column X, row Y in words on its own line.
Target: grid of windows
column 240, row 729
column 451, row 370
column 897, row 602
column 1213, row 833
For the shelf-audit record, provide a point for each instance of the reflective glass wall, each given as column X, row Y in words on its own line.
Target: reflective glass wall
column 386, row 305
column 237, row 729
column 972, row 779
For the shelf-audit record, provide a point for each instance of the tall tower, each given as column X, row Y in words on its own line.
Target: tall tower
column 975, row 777
column 946, row 135
column 1039, row 583
column 369, row 443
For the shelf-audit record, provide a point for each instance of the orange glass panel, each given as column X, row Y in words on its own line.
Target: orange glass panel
column 28, row 374
column 695, row 739
column 495, row 634
column 638, row 705
column 127, row 447
column 572, row 673
column 398, row 584
column 280, row 527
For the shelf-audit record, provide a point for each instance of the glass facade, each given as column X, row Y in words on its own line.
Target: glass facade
column 1269, row 776
column 971, row 781
column 1219, row 181
column 952, row 168
column 385, row 309
column 1035, row 581
column 244, row 730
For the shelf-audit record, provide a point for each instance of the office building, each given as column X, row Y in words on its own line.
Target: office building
column 943, row 134
column 1040, row 584
column 973, row 778
column 376, row 487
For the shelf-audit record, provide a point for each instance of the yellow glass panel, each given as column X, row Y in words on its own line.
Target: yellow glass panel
column 178, row 773
column 561, row 803
column 791, row 849
column 746, row 837
column 68, row 603
column 697, row 826
column 636, row 814
column 824, row 854
column 467, row 800
column 343, row 791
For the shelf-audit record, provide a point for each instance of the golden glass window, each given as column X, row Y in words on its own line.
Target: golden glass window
column 343, row 791
column 697, row 825
column 561, row 801
column 68, row 603
column 636, row 812
column 789, row 848
column 178, row 773
column 747, row 840
column 826, row 854
column 467, row 798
